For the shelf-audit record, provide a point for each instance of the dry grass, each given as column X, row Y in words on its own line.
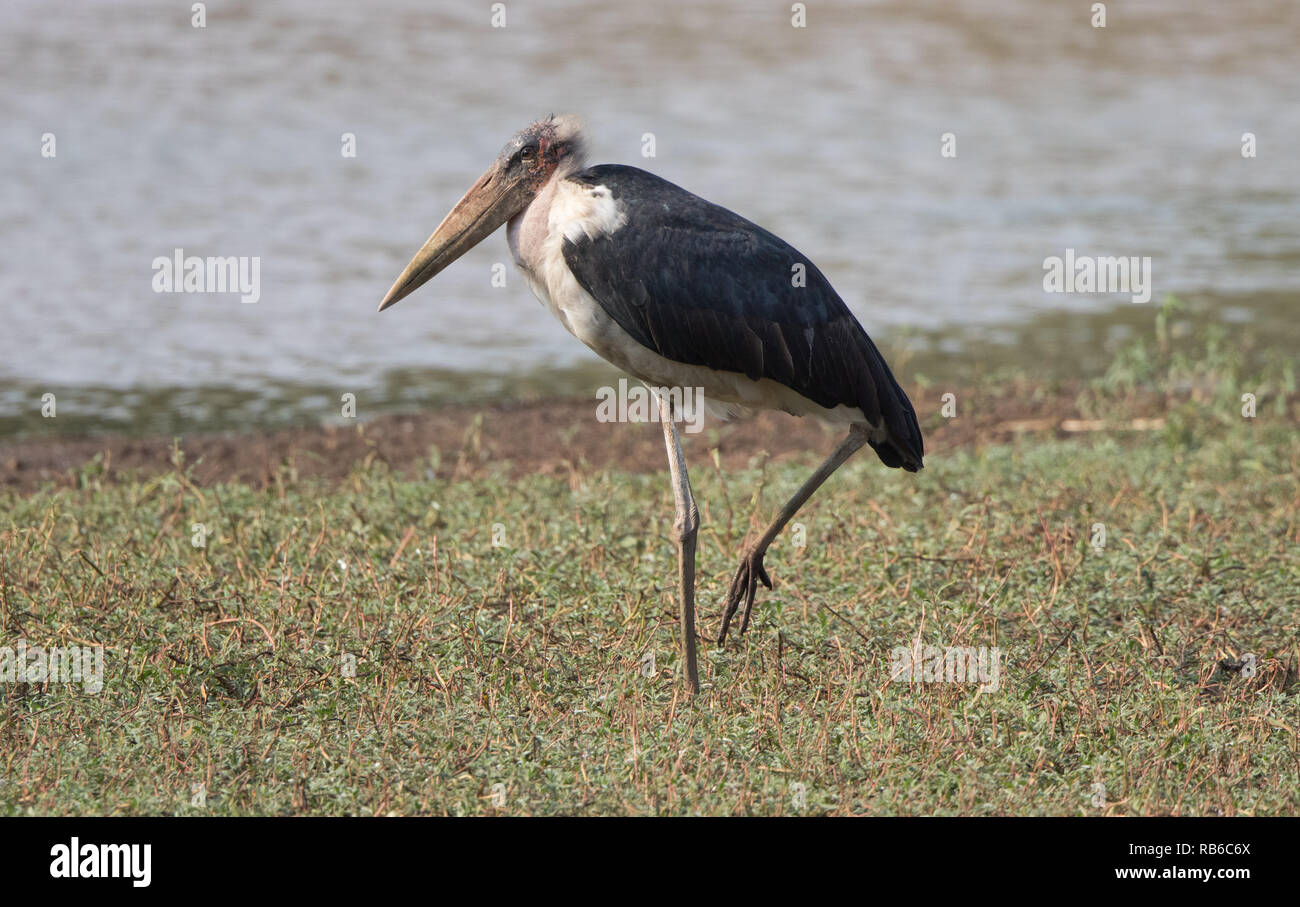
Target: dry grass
column 511, row 678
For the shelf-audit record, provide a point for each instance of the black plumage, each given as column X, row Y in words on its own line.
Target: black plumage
column 701, row 285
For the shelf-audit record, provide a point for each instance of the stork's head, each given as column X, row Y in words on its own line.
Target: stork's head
column 549, row 148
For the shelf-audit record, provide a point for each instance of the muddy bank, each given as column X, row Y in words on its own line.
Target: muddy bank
column 550, row 438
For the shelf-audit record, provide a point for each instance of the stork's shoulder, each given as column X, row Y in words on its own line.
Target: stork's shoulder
column 631, row 183
column 691, row 251
column 654, row 201
column 667, row 218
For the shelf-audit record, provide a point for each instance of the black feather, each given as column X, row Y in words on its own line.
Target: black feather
column 702, row 285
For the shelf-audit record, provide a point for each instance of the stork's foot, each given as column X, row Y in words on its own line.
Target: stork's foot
column 743, row 586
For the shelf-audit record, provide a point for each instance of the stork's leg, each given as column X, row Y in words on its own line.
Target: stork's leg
column 751, row 565
column 685, row 524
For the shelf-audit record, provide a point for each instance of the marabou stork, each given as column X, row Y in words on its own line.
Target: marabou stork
column 680, row 293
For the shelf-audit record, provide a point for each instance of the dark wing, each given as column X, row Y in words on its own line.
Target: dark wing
column 699, row 284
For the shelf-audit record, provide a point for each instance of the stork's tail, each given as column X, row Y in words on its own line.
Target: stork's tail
column 903, row 447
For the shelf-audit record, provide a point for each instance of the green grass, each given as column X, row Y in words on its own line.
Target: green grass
column 1153, row 675
column 521, row 666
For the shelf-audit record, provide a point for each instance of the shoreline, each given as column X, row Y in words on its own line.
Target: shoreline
column 547, row 437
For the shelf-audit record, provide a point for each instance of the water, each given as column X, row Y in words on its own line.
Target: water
column 226, row 141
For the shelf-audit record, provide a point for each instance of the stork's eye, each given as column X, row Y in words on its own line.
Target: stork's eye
column 528, row 152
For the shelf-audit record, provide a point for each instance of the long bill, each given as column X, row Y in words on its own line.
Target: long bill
column 488, row 204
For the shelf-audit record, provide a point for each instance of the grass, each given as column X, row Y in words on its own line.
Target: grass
column 502, row 633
